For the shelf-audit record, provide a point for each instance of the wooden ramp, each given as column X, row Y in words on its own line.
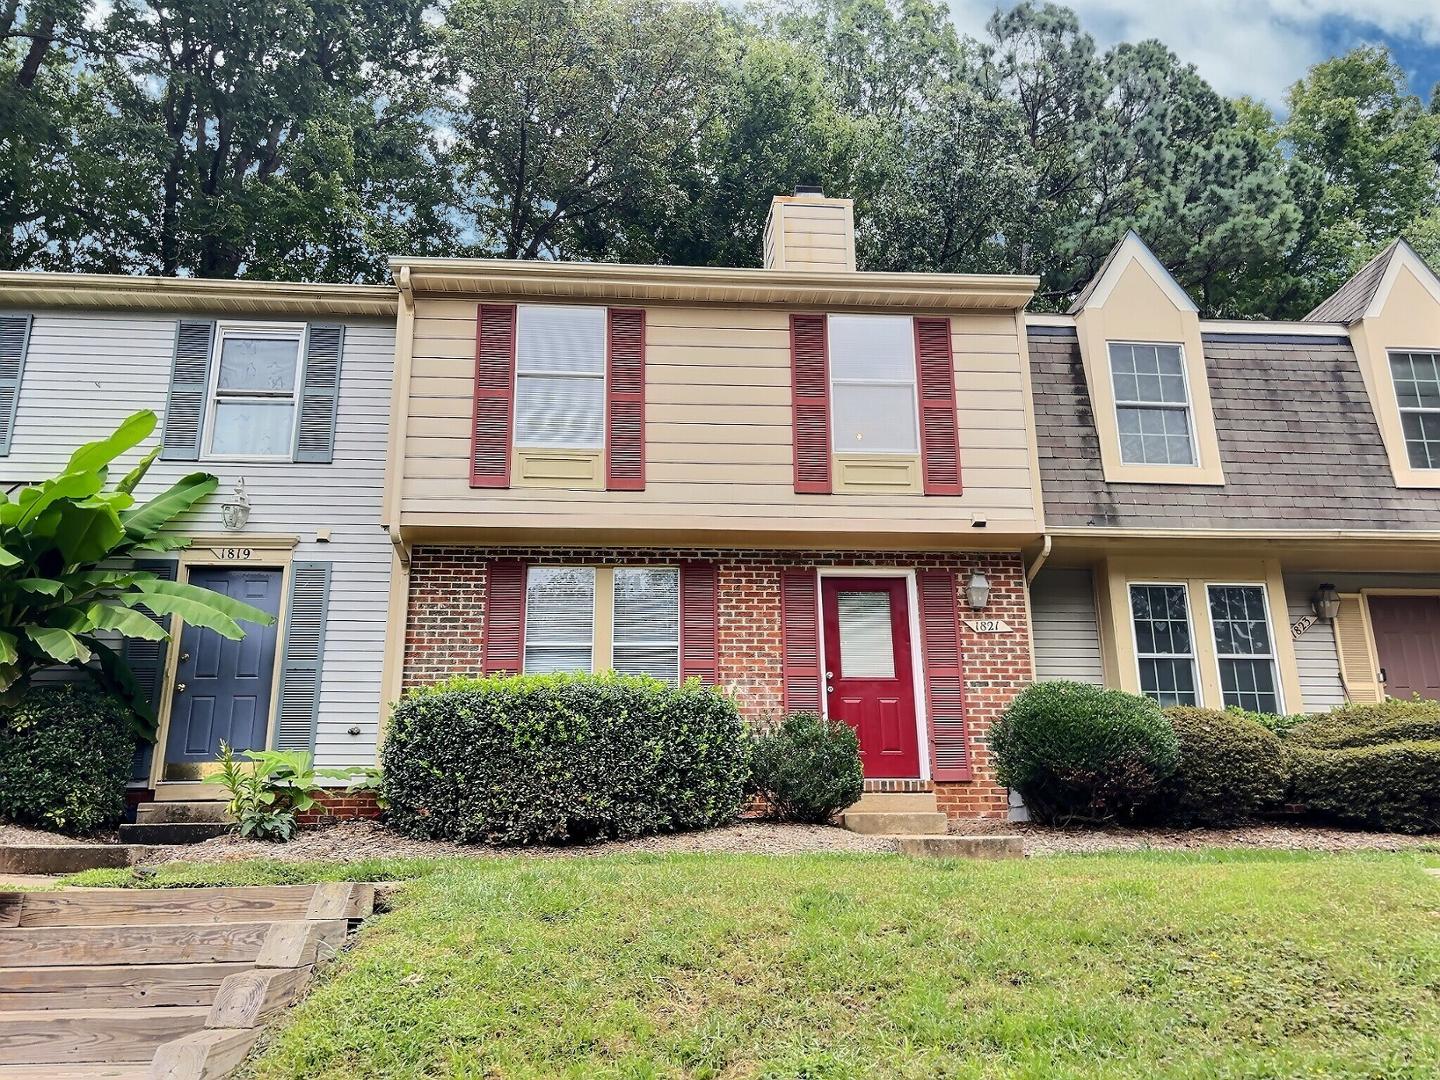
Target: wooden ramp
column 165, row 984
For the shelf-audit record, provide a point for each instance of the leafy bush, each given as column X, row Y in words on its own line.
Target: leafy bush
column 267, row 793
column 1080, row 753
column 1384, row 722
column 65, row 755
column 807, row 768
column 1230, row 768
column 552, row 758
column 1394, row 786
column 1281, row 725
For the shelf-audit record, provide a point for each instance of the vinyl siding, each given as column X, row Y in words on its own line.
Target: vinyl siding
column 1067, row 632
column 86, row 371
column 1316, row 661
column 718, row 436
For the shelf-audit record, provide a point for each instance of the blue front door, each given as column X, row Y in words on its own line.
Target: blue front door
column 222, row 687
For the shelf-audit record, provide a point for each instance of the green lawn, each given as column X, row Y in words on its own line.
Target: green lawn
column 1220, row 964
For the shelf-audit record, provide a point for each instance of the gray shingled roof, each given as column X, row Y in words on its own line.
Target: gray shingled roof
column 1083, row 295
column 1298, row 440
column 1348, row 303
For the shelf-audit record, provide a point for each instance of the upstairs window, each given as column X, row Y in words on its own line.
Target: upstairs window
column 1417, row 389
column 872, row 384
column 560, row 377
column 1152, row 404
column 254, row 392
column 1243, row 648
column 1164, row 646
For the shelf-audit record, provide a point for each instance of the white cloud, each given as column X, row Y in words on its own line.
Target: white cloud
column 1255, row 47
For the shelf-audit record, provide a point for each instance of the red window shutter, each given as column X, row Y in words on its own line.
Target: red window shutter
column 625, row 405
column 494, row 395
column 810, row 398
column 944, row 677
column 699, row 623
column 502, row 646
column 800, row 638
column 939, row 427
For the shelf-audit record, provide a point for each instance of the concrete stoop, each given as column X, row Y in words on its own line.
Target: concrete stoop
column 64, row 858
column 170, row 833
column 962, row 847
column 896, row 822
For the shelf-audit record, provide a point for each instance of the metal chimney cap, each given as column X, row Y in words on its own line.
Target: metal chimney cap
column 809, row 189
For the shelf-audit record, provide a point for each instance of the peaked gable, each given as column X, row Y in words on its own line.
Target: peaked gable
column 1130, row 249
column 1365, row 293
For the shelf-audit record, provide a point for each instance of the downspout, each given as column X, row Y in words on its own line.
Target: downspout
column 1034, row 567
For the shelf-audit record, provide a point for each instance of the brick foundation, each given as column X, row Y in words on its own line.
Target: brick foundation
column 331, row 808
column 446, row 617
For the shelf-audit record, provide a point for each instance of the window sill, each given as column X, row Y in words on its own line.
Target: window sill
column 553, row 468
column 1200, row 475
column 886, row 474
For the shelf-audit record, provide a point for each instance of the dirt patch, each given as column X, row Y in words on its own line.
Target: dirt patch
column 352, row 840
column 15, row 834
column 1045, row 840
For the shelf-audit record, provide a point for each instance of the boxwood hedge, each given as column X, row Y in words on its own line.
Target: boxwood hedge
column 1230, row 769
column 561, row 758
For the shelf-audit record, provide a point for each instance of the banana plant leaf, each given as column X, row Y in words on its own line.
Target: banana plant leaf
column 133, row 430
column 156, row 588
column 60, row 645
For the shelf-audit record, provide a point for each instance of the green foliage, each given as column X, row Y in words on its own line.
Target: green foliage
column 57, row 605
column 1391, row 720
column 65, row 756
column 1393, row 786
column 269, row 791
column 1280, row 725
column 1230, row 769
column 1078, row 753
column 807, row 768
column 554, row 758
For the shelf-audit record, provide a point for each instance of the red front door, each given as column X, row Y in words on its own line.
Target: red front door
column 1407, row 643
column 869, row 683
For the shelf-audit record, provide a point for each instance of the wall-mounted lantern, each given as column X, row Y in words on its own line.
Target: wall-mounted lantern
column 235, row 511
column 978, row 591
column 1326, row 602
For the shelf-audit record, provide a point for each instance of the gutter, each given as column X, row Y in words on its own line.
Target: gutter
column 1034, row 567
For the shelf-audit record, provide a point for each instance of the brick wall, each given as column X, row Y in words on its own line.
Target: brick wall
column 446, row 616
column 329, row 807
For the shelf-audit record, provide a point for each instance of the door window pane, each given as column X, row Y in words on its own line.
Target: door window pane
column 1244, row 648
column 1152, row 404
column 867, row 648
column 872, row 384
column 1163, row 645
column 559, row 619
column 647, row 622
column 560, row 376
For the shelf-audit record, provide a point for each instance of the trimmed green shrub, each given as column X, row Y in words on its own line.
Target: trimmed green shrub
column 1387, row 721
column 555, row 758
column 1394, row 786
column 1281, row 724
column 65, row 755
column 1078, row 753
column 1230, row 769
column 807, row 768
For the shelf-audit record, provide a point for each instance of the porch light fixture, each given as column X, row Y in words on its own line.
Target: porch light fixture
column 1326, row 602
column 235, row 511
column 978, row 591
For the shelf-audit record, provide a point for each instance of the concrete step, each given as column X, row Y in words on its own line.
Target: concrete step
column 891, row 802
column 61, row 1035
column 962, row 847
column 896, row 823
column 62, row 858
column 169, row 833
column 165, row 813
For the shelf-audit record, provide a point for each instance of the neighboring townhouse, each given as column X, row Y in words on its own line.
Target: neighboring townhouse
column 283, row 391
column 804, row 483
column 1241, row 513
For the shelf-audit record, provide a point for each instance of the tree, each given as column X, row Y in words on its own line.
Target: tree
column 62, row 599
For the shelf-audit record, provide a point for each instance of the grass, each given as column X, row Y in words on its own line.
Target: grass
column 1213, row 964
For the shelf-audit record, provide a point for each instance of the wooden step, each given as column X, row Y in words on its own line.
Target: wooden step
column 133, row 1070
column 68, row 946
column 113, row 986
column 144, row 907
column 67, row 1035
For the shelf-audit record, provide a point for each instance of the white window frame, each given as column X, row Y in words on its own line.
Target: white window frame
column 913, row 384
column 214, row 395
column 1272, row 655
column 525, row 637
column 1188, row 408
column 548, row 373
column 597, row 613
column 1390, row 355
column 679, row 622
column 1194, row 657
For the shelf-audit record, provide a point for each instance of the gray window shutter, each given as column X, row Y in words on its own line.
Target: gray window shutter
column 189, row 391
column 147, row 662
column 14, row 341
column 304, row 653
column 320, row 393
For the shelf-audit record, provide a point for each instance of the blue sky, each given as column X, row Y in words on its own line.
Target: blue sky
column 1259, row 47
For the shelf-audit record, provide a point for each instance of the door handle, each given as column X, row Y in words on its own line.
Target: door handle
column 179, row 687
column 1382, row 675
column 829, row 689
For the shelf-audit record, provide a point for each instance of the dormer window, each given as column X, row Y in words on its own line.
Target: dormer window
column 1152, row 404
column 1417, row 391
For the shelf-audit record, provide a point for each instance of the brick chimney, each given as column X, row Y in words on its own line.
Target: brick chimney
column 807, row 231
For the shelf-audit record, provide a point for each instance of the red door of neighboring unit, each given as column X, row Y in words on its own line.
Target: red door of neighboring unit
column 1407, row 643
column 869, row 683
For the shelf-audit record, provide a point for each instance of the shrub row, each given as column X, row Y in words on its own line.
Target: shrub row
column 1078, row 753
